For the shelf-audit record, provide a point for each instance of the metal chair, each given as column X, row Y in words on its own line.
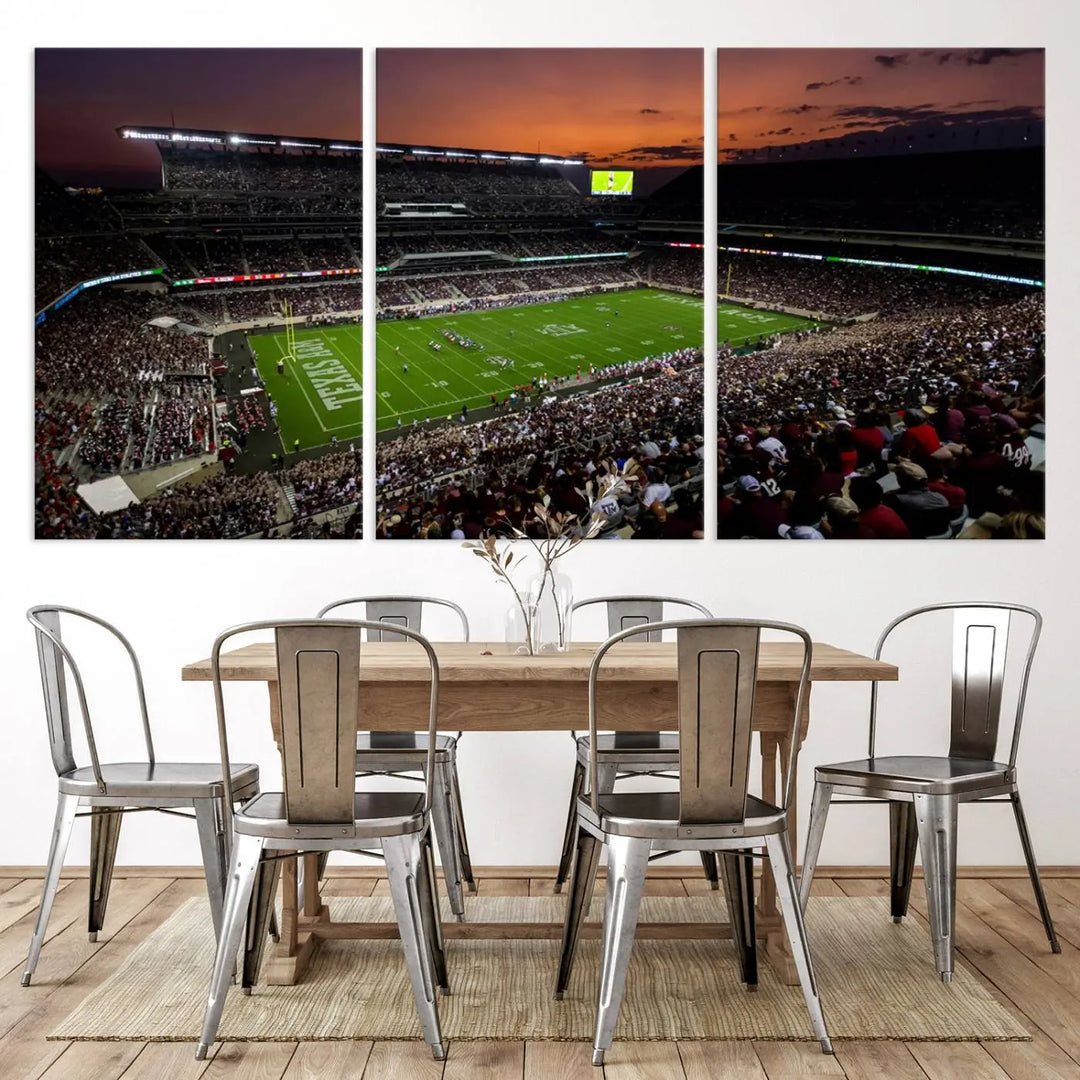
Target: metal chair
column 627, row 753
column 711, row 811
column 403, row 754
column 318, row 664
column 924, row 793
column 111, row 790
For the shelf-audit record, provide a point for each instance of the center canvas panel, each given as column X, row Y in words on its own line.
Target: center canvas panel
column 539, row 282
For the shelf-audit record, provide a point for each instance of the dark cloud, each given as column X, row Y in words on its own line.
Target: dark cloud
column 649, row 112
column 732, row 137
column 744, row 111
column 890, row 60
column 671, row 152
column 857, row 116
column 982, row 57
column 845, row 80
column 797, row 110
column 778, row 131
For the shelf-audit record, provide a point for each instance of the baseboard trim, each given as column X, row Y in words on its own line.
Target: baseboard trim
column 846, row 873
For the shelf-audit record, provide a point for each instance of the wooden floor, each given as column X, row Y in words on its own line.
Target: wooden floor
column 999, row 935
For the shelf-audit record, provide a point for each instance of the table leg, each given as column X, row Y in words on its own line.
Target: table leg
column 296, row 947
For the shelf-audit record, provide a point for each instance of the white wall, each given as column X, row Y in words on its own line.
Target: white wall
column 172, row 597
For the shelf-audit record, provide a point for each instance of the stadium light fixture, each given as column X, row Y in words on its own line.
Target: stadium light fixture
column 428, row 153
column 344, row 146
column 301, row 145
column 389, row 150
column 521, row 157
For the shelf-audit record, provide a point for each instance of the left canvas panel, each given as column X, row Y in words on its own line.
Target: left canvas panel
column 197, row 365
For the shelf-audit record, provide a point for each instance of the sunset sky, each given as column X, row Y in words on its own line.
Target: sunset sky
column 637, row 107
column 774, row 97
column 83, row 95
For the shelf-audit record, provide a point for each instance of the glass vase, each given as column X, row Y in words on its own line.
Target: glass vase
column 520, row 624
column 552, row 595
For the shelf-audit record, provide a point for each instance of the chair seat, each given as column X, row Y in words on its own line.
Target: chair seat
column 163, row 779
column 375, row 813
column 396, row 742
column 922, row 775
column 633, row 748
column 655, row 814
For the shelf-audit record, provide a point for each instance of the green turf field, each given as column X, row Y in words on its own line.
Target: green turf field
column 319, row 395
column 739, row 326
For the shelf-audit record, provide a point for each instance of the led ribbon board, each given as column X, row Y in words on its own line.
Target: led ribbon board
column 91, row 283
column 981, row 274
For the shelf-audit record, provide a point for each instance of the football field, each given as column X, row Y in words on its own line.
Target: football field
column 319, row 395
column 481, row 353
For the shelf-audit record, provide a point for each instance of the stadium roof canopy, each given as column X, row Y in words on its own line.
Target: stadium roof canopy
column 268, row 143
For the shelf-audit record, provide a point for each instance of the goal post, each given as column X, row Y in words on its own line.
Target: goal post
column 290, row 333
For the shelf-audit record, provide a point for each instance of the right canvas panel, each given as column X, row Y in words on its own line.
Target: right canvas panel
column 881, row 368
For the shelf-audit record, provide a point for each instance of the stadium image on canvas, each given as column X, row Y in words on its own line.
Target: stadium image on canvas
column 539, row 287
column 895, row 197
column 198, row 357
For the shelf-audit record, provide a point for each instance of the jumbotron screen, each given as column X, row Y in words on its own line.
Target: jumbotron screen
column 612, row 182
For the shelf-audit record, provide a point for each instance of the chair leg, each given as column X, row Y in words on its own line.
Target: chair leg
column 903, row 841
column 212, row 841
column 788, row 897
column 66, row 805
column 577, row 908
column 712, row 872
column 819, row 812
column 577, row 789
column 427, row 890
column 628, row 863
column 738, row 871
column 1033, row 872
column 246, row 856
column 260, row 913
column 105, row 825
column 462, row 840
column 936, row 816
column 442, row 820
column 606, row 775
column 402, row 854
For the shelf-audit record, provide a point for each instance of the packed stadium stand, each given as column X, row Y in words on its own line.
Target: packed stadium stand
column 824, row 429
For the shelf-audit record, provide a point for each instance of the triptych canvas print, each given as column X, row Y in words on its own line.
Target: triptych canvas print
column 540, row 295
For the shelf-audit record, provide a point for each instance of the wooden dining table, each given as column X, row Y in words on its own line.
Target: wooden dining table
column 486, row 687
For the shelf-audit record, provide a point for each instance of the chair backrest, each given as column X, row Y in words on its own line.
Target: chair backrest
column 391, row 611
column 717, row 677
column 624, row 612
column 318, row 668
column 980, row 640
column 54, row 656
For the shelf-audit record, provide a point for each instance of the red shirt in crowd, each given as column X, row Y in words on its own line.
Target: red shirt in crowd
column 884, row 523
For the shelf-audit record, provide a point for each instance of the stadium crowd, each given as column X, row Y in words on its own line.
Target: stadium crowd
column 845, row 290
column 911, row 426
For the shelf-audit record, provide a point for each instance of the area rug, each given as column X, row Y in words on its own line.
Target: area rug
column 877, row 981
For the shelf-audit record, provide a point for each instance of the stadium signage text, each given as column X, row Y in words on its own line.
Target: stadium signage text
column 231, row 278
column 91, row 283
column 329, row 377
